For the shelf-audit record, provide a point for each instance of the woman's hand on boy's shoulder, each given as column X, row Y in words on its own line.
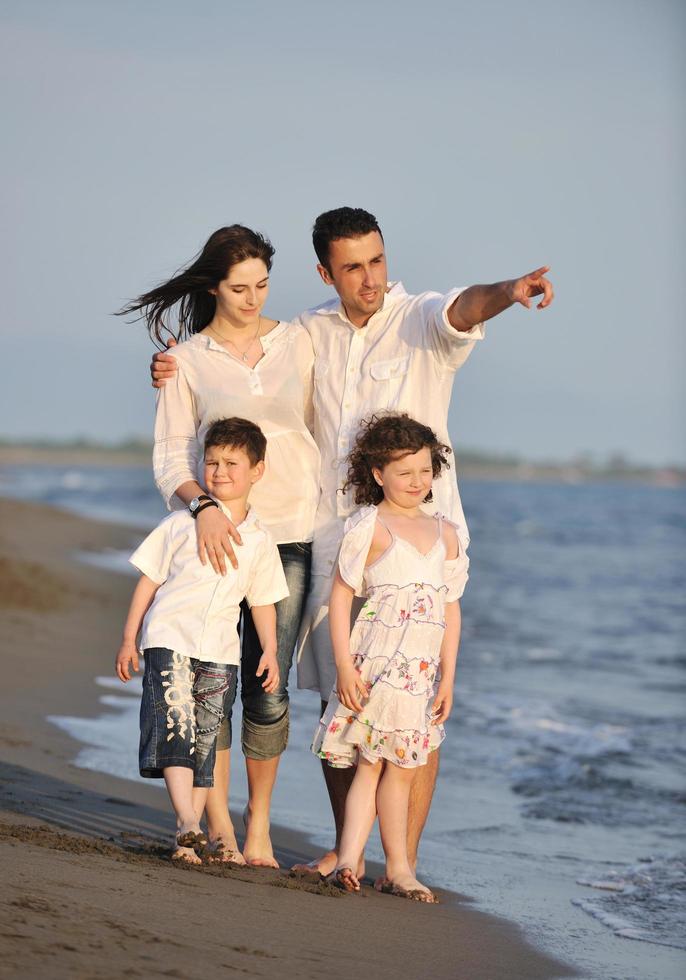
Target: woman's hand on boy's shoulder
column 214, row 533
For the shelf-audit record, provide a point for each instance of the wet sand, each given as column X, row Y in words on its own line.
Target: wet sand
column 89, row 890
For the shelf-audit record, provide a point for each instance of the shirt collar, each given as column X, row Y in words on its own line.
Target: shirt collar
column 249, row 521
column 206, row 341
column 395, row 291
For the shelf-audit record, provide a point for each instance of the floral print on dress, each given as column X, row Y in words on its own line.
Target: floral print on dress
column 396, row 642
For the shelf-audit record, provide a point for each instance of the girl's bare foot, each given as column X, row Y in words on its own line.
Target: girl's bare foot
column 345, row 879
column 257, row 849
column 406, row 886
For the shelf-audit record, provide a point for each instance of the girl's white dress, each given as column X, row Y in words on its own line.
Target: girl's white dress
column 395, row 643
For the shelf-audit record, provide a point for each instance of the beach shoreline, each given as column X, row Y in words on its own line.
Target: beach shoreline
column 88, row 880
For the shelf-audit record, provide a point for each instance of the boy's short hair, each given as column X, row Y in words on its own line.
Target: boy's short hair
column 240, row 434
column 341, row 223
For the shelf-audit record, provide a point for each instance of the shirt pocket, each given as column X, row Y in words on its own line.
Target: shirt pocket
column 388, row 377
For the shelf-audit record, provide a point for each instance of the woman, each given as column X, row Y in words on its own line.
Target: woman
column 236, row 362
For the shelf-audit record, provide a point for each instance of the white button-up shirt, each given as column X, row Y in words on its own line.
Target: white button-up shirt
column 276, row 394
column 405, row 360
column 195, row 611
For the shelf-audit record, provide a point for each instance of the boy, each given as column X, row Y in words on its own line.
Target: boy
column 187, row 617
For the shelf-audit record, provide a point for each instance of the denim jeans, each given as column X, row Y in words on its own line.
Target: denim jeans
column 184, row 702
column 265, row 716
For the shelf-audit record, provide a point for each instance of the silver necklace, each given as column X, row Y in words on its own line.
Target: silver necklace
column 243, row 353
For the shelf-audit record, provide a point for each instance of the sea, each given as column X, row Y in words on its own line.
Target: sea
column 561, row 797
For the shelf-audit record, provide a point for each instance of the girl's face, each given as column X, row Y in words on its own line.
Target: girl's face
column 406, row 481
column 241, row 296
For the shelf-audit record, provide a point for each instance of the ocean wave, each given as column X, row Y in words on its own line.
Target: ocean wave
column 646, row 901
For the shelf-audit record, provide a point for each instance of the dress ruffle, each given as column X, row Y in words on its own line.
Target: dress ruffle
column 357, row 540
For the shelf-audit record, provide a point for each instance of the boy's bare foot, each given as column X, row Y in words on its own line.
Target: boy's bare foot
column 344, row 879
column 257, row 849
column 325, row 865
column 406, row 886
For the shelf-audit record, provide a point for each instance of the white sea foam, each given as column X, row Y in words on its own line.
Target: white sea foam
column 111, row 559
column 645, row 901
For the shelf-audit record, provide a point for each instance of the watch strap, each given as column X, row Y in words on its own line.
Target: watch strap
column 204, row 506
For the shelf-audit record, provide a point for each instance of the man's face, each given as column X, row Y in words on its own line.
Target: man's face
column 357, row 271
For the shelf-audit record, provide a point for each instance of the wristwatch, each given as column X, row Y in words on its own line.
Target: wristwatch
column 199, row 503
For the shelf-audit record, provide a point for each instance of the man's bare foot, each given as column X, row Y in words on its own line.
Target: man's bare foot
column 406, row 886
column 345, row 879
column 257, row 849
column 324, row 866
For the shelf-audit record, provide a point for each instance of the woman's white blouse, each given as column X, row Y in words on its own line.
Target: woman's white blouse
column 276, row 394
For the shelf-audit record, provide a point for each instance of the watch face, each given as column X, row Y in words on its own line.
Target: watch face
column 194, row 504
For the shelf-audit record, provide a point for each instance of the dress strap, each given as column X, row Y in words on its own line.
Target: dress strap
column 386, row 528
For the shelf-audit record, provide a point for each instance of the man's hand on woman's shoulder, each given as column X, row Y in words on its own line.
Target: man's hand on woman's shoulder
column 163, row 366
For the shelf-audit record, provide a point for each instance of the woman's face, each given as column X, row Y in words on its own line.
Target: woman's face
column 241, row 296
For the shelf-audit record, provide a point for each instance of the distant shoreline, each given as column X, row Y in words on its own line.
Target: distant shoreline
column 471, row 465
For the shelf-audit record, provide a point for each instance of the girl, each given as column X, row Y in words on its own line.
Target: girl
column 386, row 713
column 236, row 362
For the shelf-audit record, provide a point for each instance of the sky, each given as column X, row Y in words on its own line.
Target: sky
column 488, row 138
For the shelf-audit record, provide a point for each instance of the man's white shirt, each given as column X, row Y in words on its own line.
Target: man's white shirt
column 404, row 360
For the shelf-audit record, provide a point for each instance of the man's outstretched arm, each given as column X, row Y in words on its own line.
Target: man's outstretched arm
column 479, row 303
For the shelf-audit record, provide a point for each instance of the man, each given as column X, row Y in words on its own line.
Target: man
column 378, row 348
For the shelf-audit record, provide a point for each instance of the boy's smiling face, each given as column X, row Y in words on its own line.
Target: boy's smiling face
column 229, row 474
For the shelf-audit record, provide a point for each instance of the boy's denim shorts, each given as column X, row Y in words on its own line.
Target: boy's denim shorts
column 184, row 702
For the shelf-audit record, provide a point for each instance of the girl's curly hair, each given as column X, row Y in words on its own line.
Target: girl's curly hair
column 382, row 439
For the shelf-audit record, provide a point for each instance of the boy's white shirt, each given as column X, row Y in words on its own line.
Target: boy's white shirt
column 195, row 611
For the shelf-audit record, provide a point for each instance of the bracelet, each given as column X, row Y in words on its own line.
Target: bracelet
column 202, row 507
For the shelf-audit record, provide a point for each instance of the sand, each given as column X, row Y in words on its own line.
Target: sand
column 88, row 887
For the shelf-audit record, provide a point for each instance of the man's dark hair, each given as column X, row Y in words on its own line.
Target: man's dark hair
column 238, row 434
column 341, row 223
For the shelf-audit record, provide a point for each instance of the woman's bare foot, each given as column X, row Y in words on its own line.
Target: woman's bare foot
column 257, row 849
column 345, row 879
